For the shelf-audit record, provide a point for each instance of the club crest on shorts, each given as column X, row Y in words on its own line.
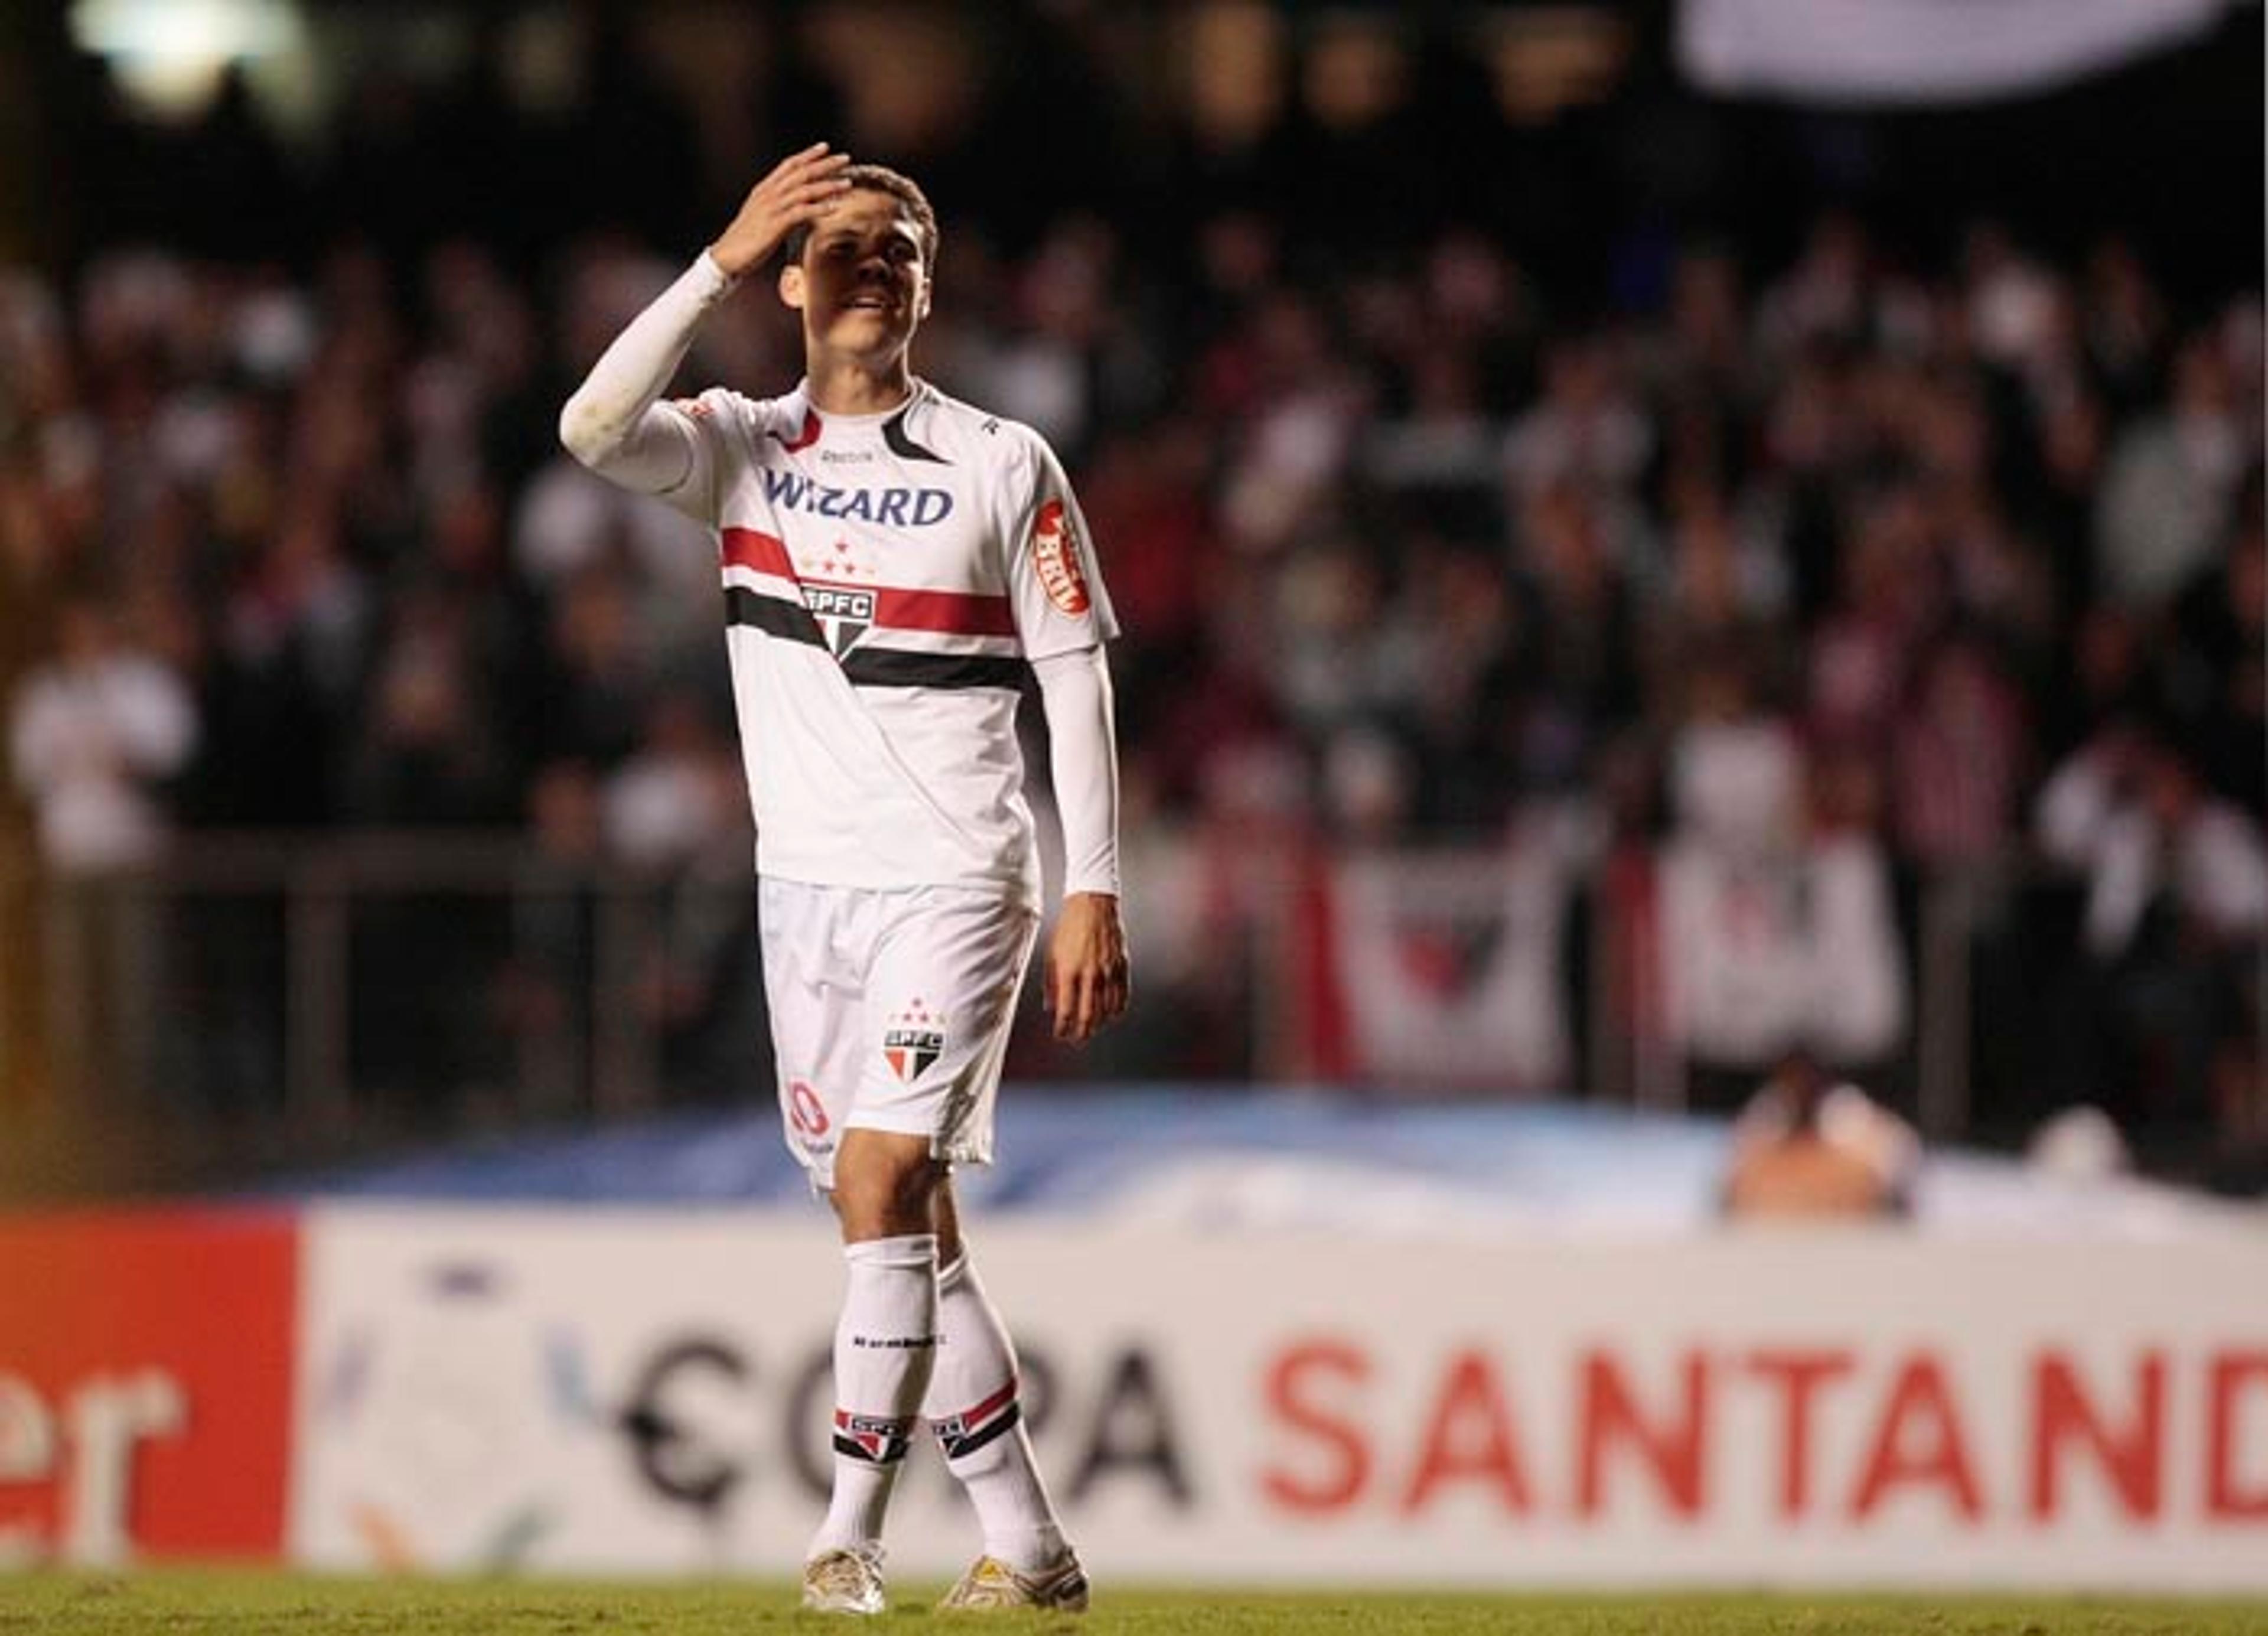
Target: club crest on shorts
column 914, row 1039
column 1055, row 553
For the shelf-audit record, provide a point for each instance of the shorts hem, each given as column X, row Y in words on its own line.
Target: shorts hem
column 941, row 1147
column 893, row 1124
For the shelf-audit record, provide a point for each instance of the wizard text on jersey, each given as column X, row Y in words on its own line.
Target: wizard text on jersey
column 892, row 507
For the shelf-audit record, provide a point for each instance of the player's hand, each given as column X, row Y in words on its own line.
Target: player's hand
column 1087, row 983
column 800, row 187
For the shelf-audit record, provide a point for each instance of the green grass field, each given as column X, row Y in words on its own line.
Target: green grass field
column 246, row 1604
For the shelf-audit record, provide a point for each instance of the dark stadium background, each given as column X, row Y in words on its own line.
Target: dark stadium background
column 383, row 917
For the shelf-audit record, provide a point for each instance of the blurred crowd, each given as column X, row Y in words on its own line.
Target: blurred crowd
column 1940, row 565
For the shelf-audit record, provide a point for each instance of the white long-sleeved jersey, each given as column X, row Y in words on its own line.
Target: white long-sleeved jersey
column 888, row 579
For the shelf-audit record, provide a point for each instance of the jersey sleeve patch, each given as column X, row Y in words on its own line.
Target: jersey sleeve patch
column 1056, row 556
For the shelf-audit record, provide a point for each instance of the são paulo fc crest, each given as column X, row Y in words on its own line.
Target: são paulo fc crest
column 871, row 1437
column 915, row 1039
column 831, row 591
column 843, row 613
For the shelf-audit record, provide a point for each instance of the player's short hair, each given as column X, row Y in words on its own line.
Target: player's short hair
column 879, row 179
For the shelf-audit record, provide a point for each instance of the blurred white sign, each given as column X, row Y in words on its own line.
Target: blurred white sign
column 1921, row 50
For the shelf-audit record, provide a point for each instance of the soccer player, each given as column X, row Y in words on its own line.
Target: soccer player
column 895, row 563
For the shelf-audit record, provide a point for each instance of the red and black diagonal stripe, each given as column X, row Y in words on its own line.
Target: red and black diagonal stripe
column 870, row 664
column 966, row 1432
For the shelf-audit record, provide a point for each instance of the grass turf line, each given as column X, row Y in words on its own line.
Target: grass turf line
column 176, row 1601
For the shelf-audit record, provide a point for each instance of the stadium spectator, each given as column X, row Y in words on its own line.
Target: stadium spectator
column 95, row 735
column 1810, row 1147
column 676, row 797
column 1961, row 753
column 541, row 1003
column 2176, row 908
column 2214, row 675
column 2168, row 483
column 1587, row 431
column 1735, row 766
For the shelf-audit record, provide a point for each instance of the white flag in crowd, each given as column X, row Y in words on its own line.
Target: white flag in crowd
column 1761, row 954
column 1921, row 51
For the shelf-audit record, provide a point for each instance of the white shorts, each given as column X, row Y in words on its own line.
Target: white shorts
column 890, row 1011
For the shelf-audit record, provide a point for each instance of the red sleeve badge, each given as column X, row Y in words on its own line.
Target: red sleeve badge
column 1054, row 551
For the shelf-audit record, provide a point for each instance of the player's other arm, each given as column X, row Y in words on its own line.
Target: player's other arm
column 614, row 423
column 1088, row 980
column 1064, row 617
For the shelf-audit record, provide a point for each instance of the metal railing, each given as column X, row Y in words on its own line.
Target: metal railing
column 263, row 999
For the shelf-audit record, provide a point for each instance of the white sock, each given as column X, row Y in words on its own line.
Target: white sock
column 973, row 1407
column 885, row 1344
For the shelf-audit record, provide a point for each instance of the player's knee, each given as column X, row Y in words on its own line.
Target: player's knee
column 885, row 1185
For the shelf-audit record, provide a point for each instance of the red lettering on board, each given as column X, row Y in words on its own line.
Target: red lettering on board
column 1920, row 1402
column 1468, row 1439
column 2228, row 1499
column 1673, row 1446
column 1288, row 1385
column 2129, row 1456
column 1799, row 1376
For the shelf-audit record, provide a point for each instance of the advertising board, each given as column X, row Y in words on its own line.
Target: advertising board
column 146, row 1362
column 630, row 1391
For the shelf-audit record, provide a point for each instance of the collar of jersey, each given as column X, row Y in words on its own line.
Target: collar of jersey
column 852, row 423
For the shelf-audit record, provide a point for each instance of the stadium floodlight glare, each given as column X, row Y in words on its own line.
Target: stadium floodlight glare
column 169, row 55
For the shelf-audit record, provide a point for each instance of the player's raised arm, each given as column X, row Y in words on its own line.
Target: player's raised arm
column 798, row 188
column 1088, row 981
column 614, row 423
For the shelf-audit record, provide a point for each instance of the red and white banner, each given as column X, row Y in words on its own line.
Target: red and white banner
column 1446, row 967
column 145, row 1385
column 610, row 1392
column 1921, row 51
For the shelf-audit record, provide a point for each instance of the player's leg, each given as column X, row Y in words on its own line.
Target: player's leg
column 975, row 1408
column 934, row 967
column 886, row 1337
column 947, row 986
column 818, row 1034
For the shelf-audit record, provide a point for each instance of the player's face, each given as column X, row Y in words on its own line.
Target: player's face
column 862, row 283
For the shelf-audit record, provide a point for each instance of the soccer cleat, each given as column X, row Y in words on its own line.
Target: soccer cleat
column 991, row 1585
column 844, row 1582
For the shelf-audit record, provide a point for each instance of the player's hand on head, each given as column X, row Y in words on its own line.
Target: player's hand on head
column 799, row 187
column 1088, row 980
